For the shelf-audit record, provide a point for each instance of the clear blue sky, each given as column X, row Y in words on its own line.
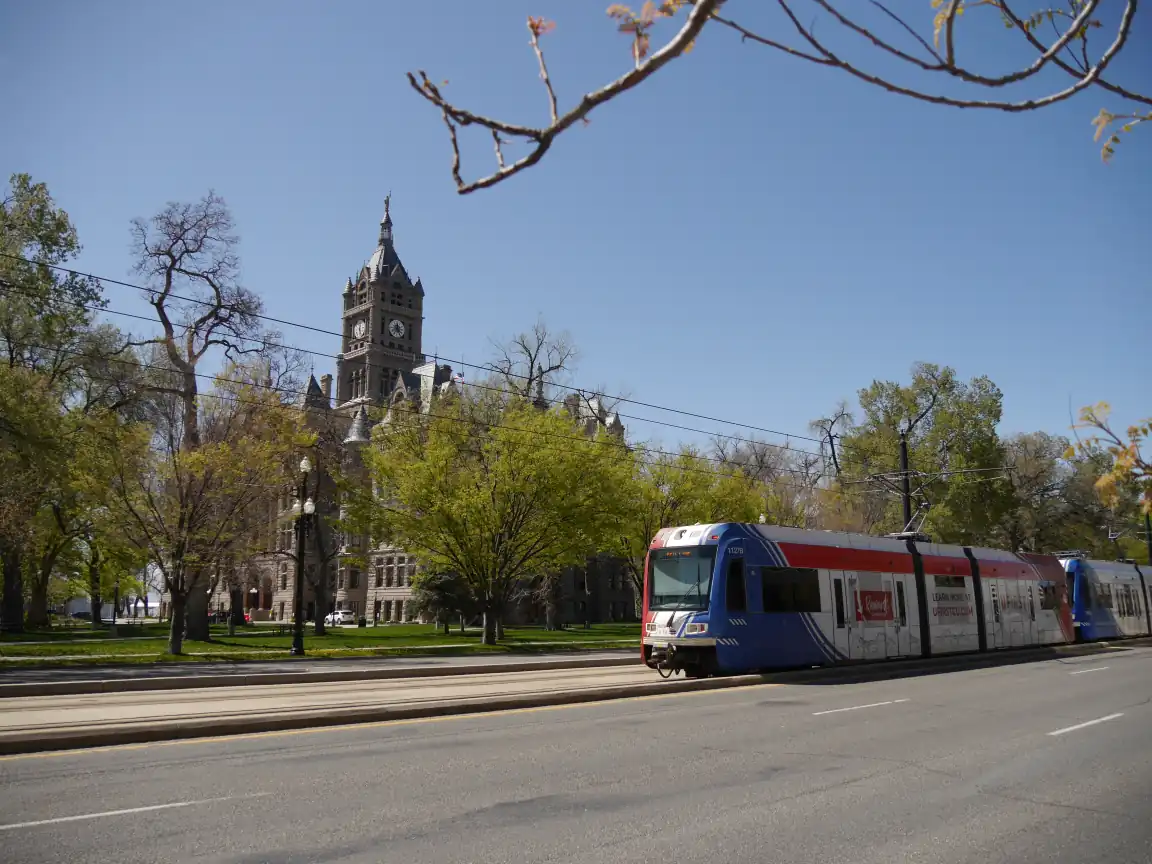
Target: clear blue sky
column 748, row 236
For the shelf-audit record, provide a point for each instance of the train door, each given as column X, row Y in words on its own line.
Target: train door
column 1031, row 636
column 891, row 623
column 995, row 615
column 872, row 595
column 905, row 587
column 843, row 620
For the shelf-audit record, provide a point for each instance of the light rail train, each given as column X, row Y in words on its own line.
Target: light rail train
column 731, row 598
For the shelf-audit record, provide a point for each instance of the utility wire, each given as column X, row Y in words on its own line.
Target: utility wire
column 456, row 362
column 267, row 343
column 301, row 393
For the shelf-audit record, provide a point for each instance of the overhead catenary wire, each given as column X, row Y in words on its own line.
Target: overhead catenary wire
column 267, row 343
column 830, row 438
column 457, row 362
column 487, row 424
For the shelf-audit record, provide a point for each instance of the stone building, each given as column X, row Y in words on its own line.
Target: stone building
column 382, row 363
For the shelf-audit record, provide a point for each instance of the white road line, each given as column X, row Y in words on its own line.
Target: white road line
column 858, row 707
column 1093, row 669
column 1085, row 725
column 128, row 812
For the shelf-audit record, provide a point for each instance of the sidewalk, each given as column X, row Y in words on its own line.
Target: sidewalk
column 67, row 722
column 72, row 680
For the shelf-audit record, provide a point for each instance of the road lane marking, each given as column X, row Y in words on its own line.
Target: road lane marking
column 1085, row 725
column 1093, row 669
column 374, row 724
column 127, row 812
column 858, row 707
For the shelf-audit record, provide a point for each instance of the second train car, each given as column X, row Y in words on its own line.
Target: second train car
column 732, row 597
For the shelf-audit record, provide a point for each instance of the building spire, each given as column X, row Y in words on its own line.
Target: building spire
column 386, row 222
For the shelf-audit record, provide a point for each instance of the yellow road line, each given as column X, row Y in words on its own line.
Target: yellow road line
column 410, row 721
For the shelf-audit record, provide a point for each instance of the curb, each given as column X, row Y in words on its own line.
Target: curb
column 196, row 682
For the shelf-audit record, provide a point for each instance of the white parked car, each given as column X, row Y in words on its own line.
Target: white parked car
column 340, row 616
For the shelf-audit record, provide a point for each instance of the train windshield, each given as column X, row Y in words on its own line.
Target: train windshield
column 680, row 578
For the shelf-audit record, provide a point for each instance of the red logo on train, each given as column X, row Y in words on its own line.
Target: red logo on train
column 874, row 606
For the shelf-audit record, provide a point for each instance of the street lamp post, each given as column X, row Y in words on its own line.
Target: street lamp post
column 303, row 513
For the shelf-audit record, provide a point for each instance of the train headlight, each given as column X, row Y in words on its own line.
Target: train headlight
column 696, row 629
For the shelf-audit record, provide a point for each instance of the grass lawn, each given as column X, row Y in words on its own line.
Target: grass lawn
column 84, row 631
column 258, row 643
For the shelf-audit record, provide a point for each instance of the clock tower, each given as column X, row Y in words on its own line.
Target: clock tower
column 383, row 322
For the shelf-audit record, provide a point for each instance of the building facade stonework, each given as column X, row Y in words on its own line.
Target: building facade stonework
column 382, row 364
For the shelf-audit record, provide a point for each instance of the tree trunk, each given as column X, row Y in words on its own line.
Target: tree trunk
column 461, row 625
column 235, row 599
column 320, row 591
column 552, row 589
column 176, row 625
column 488, row 637
column 38, row 603
column 191, row 409
column 235, row 610
column 196, row 612
column 12, row 605
column 94, row 586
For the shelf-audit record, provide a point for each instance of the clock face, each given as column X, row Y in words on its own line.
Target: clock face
column 396, row 327
column 360, row 329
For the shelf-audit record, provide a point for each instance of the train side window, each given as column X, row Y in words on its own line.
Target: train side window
column 1104, row 595
column 901, row 607
column 838, row 601
column 1031, row 604
column 790, row 589
column 737, row 596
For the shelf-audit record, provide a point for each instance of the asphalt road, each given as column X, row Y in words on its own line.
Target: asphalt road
column 943, row 769
column 33, row 674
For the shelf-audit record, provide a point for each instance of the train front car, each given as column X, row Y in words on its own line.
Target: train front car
column 679, row 589
column 1110, row 599
column 728, row 598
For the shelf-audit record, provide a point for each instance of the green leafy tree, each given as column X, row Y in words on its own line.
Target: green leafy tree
column 61, row 372
column 666, row 489
column 185, row 507
column 493, row 490
column 922, row 60
column 952, row 442
column 442, row 597
column 1130, row 468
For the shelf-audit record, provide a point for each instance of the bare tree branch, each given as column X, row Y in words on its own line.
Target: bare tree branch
column 1079, row 20
column 542, row 137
